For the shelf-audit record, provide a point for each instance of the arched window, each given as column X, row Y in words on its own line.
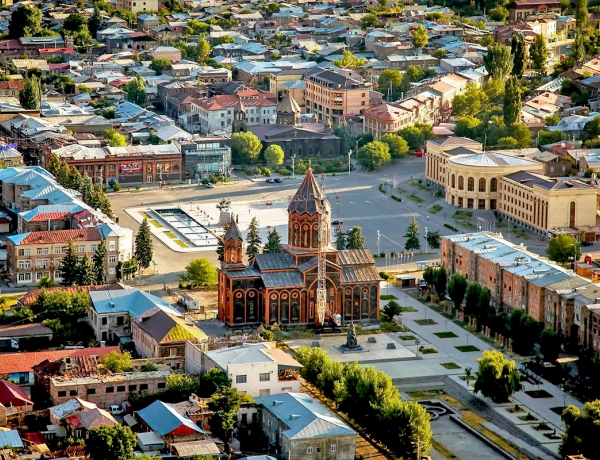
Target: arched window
column 461, row 183
column 284, row 311
column 482, row 185
column 494, row 185
column 471, row 185
column 453, row 181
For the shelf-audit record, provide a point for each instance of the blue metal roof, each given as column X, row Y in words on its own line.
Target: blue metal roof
column 163, row 418
column 10, row 438
column 132, row 301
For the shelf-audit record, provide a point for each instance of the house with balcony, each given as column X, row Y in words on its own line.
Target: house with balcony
column 258, row 369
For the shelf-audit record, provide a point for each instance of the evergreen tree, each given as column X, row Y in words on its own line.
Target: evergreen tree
column 95, row 21
column 143, row 245
column 354, row 239
column 53, row 164
column 412, row 236
column 498, row 61
column 86, row 272
column 136, row 91
column 31, row 94
column 273, row 242
column 519, row 53
column 87, row 189
column 539, row 54
column 99, row 261
column 75, row 179
column 512, row 101
column 577, row 53
column 253, row 238
column 340, row 239
column 69, row 265
column 581, row 14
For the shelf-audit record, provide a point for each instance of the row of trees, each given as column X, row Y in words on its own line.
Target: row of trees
column 369, row 398
column 351, row 239
column 413, row 241
column 82, row 271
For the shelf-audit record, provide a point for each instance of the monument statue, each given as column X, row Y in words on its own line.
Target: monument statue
column 351, row 339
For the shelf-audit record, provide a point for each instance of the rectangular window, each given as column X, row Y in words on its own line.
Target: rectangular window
column 120, row 320
column 333, row 447
column 113, row 246
column 93, row 248
column 72, row 392
column 110, row 389
column 309, row 450
column 132, row 387
column 112, row 259
column 81, row 248
column 112, row 271
column 240, row 379
column 91, row 391
column 265, row 377
column 265, row 392
column 143, row 386
column 121, row 388
column 161, row 385
column 62, row 394
column 104, row 321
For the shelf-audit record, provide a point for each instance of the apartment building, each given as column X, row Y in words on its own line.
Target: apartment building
column 34, row 255
column 386, row 118
column 329, row 95
column 519, row 10
column 137, row 6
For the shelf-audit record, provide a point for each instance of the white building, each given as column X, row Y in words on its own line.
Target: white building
column 258, row 369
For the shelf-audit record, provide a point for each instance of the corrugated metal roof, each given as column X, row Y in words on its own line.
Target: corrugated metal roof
column 130, row 301
column 163, row 418
column 274, row 261
column 10, row 438
column 356, row 257
column 358, row 274
column 283, row 279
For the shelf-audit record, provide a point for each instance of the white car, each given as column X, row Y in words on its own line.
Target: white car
column 116, row 410
column 210, row 185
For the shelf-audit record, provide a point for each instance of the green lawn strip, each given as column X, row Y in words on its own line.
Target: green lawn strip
column 435, row 209
column 466, row 348
column 407, row 337
column 388, row 297
column 462, row 215
column 408, row 310
column 425, row 322
column 415, row 198
column 445, row 335
column 451, row 366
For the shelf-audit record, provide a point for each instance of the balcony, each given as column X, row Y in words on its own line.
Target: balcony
column 287, row 375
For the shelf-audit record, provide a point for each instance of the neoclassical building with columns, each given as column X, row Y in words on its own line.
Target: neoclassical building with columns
column 513, row 186
column 281, row 287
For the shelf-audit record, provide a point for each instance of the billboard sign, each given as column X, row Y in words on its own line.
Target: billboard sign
column 133, row 167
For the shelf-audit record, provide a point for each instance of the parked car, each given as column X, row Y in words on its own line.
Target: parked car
column 210, row 185
column 422, row 282
column 116, row 410
column 587, row 243
column 270, row 181
column 336, row 222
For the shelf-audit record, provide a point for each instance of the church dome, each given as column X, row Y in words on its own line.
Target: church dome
column 306, row 197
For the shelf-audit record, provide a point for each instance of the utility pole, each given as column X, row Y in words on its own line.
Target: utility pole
column 425, row 240
column 378, row 239
column 294, row 166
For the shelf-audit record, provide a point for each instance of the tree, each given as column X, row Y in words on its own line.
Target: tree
column 95, row 22
column 355, row 239
column 457, row 287
column 562, row 248
column 497, row 377
column 115, row 139
column 577, row 53
column 273, row 245
column 434, row 240
column 412, row 236
column 30, row 96
column 583, row 430
column 225, row 405
column 581, row 14
column 74, row 22
column 274, row 155
column 273, row 8
column 201, row 272
column 538, row 53
column 143, row 245
column 429, row 276
column 397, row 145
column 374, row 155
column 25, row 21
column 472, row 295
column 245, row 147
column 182, row 385
column 253, row 238
column 390, row 84
column 160, row 64
column 69, row 264
column 518, row 50
column 213, row 381
column 419, row 37
column 86, row 272
column 111, row 442
column 391, row 309
column 204, row 50
column 99, row 261
column 507, row 143
column 512, row 101
column 416, row 135
column 349, row 61
column 498, row 61
column 499, row 14
column 340, row 238
column 116, row 362
column 466, row 126
column 45, row 283
column 136, row 91
column 439, row 281
column 369, row 20
column 550, row 345
column 470, row 102
column 223, row 40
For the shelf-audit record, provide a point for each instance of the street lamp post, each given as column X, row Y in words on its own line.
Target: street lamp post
column 294, row 166
column 574, row 254
column 426, row 240
column 378, row 240
column 349, row 154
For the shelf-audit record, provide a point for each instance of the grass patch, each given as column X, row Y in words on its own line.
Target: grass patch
column 408, row 310
column 392, row 326
column 527, row 418
column 461, row 215
column 451, row 366
column 415, row 183
column 152, row 221
column 181, row 243
column 407, row 337
column 382, row 188
column 171, row 235
column 435, row 209
column 442, row 450
column 425, row 322
column 388, row 297
column 451, row 227
column 515, row 409
column 466, row 348
column 399, row 190
column 445, row 335
column 397, row 198
column 415, row 198
column 434, row 394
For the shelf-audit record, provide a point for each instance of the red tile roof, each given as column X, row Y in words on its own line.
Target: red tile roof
column 62, row 236
column 56, row 50
column 24, row 362
column 12, row 84
column 225, row 101
column 49, row 216
column 385, row 112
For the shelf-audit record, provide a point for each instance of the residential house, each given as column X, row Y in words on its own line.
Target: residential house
column 386, row 118
column 166, row 52
column 12, row 396
column 401, row 62
column 297, row 426
column 79, row 424
column 168, row 424
column 137, row 6
column 520, row 9
column 258, row 369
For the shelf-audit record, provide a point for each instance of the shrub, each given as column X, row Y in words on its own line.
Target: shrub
column 213, row 179
column 257, row 170
column 266, row 172
column 420, row 181
column 385, row 275
column 138, row 188
column 397, row 198
column 116, row 187
column 451, row 227
column 205, row 181
column 285, row 172
column 318, row 169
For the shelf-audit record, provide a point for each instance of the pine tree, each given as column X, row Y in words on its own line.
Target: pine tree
column 354, row 239
column 69, row 264
column 31, row 94
column 340, row 239
column 581, row 14
column 577, row 53
column 54, row 164
column 512, row 101
column 75, row 179
column 253, row 238
column 412, row 236
column 204, row 50
column 273, row 242
column 143, row 245
column 538, row 51
column 86, row 272
column 99, row 261
column 519, row 53
column 87, row 189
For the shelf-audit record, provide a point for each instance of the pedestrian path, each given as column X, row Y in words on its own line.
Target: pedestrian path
column 385, row 216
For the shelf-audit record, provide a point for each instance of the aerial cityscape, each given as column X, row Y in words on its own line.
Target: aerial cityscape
column 337, row 230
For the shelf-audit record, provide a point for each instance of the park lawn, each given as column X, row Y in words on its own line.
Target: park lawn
column 425, row 322
column 415, row 198
column 438, row 394
column 445, row 335
column 408, row 310
column 462, row 215
column 407, row 337
column 435, row 209
column 388, row 297
column 466, row 348
column 476, row 422
column 451, row 366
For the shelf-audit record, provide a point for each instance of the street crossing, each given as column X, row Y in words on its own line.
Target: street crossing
column 384, row 216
